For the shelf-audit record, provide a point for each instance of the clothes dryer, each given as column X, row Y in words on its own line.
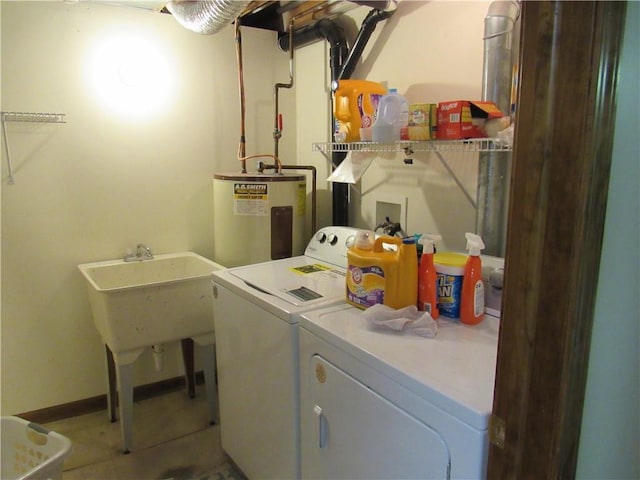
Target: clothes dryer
column 385, row 404
column 256, row 313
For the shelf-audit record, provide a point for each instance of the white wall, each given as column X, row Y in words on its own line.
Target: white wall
column 430, row 52
column 610, row 437
column 91, row 188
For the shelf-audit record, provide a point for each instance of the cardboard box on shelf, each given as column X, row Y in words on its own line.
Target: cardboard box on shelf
column 461, row 119
column 422, row 121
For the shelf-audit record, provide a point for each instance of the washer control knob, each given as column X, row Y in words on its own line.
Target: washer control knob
column 332, row 239
column 321, row 237
column 351, row 239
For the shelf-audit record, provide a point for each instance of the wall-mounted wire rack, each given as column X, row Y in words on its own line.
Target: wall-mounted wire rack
column 35, row 117
column 409, row 147
column 469, row 145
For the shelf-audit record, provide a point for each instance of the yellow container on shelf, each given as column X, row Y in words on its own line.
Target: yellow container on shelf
column 382, row 271
column 355, row 105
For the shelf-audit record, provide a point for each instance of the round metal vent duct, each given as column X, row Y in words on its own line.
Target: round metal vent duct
column 206, row 16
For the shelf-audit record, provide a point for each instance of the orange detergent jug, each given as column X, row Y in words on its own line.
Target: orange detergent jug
column 384, row 270
column 354, row 106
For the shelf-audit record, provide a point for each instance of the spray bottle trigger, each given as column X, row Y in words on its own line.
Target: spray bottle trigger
column 428, row 241
column 474, row 243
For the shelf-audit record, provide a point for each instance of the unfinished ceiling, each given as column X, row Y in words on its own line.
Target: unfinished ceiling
column 269, row 15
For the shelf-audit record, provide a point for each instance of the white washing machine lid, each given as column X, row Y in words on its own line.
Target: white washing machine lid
column 454, row 371
column 300, row 281
column 288, row 286
column 308, row 281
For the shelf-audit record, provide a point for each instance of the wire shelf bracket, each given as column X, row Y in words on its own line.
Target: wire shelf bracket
column 34, row 117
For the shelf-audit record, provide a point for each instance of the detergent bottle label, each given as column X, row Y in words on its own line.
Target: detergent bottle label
column 365, row 285
column 478, row 298
column 449, row 294
column 368, row 112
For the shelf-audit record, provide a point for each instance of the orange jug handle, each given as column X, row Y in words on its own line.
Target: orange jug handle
column 388, row 239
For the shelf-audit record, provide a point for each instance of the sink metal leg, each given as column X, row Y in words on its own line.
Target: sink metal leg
column 111, row 386
column 189, row 365
column 125, row 378
column 207, row 355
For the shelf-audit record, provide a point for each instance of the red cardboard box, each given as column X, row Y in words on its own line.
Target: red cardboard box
column 461, row 119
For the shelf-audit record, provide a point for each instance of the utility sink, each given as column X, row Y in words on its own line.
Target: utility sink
column 138, row 304
column 146, row 303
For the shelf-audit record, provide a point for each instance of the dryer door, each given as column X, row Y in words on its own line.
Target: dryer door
column 356, row 433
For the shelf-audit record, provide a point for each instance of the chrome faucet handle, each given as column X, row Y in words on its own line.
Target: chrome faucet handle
column 143, row 248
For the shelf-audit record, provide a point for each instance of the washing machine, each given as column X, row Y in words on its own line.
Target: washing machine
column 256, row 313
column 391, row 405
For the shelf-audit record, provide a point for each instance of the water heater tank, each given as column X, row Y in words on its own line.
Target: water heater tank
column 258, row 217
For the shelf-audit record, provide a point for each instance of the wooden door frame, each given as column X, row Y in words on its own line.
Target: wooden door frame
column 561, row 161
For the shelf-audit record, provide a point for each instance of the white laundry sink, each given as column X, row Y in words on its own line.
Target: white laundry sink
column 143, row 303
column 138, row 304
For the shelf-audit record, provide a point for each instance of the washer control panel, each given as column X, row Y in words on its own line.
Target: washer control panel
column 330, row 244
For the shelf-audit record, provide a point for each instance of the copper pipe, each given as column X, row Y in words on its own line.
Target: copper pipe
column 277, row 125
column 242, row 146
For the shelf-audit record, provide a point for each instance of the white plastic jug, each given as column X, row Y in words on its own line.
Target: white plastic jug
column 392, row 115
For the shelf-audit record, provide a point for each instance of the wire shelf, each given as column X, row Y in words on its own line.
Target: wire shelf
column 469, row 145
column 33, row 117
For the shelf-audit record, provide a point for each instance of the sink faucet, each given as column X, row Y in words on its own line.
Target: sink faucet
column 142, row 253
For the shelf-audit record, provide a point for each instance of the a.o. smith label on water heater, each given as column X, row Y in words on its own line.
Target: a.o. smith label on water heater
column 250, row 199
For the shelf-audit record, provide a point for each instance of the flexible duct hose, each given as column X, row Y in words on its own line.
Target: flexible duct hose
column 206, row 16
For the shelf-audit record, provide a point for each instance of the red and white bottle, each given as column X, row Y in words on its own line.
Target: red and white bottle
column 427, row 277
column 472, row 302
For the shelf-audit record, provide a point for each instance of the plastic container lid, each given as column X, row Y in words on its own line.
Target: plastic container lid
column 364, row 240
column 450, row 259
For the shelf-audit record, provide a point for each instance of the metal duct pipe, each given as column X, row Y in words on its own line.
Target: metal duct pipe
column 206, row 16
column 499, row 36
column 494, row 168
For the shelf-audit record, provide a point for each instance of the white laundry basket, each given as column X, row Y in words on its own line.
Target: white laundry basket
column 30, row 451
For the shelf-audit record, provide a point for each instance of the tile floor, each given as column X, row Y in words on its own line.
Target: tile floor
column 172, row 439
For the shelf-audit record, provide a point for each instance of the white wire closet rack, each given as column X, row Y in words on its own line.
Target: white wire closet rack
column 468, row 145
column 35, row 117
column 441, row 148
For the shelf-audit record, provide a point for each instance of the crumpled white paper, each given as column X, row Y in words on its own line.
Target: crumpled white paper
column 407, row 319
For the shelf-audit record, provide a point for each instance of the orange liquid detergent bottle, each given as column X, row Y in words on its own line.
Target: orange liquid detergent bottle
column 381, row 271
column 472, row 302
column 355, row 105
column 427, row 277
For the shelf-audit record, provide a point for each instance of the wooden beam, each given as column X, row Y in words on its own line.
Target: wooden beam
column 562, row 156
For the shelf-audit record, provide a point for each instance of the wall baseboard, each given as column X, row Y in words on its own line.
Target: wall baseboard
column 95, row 404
